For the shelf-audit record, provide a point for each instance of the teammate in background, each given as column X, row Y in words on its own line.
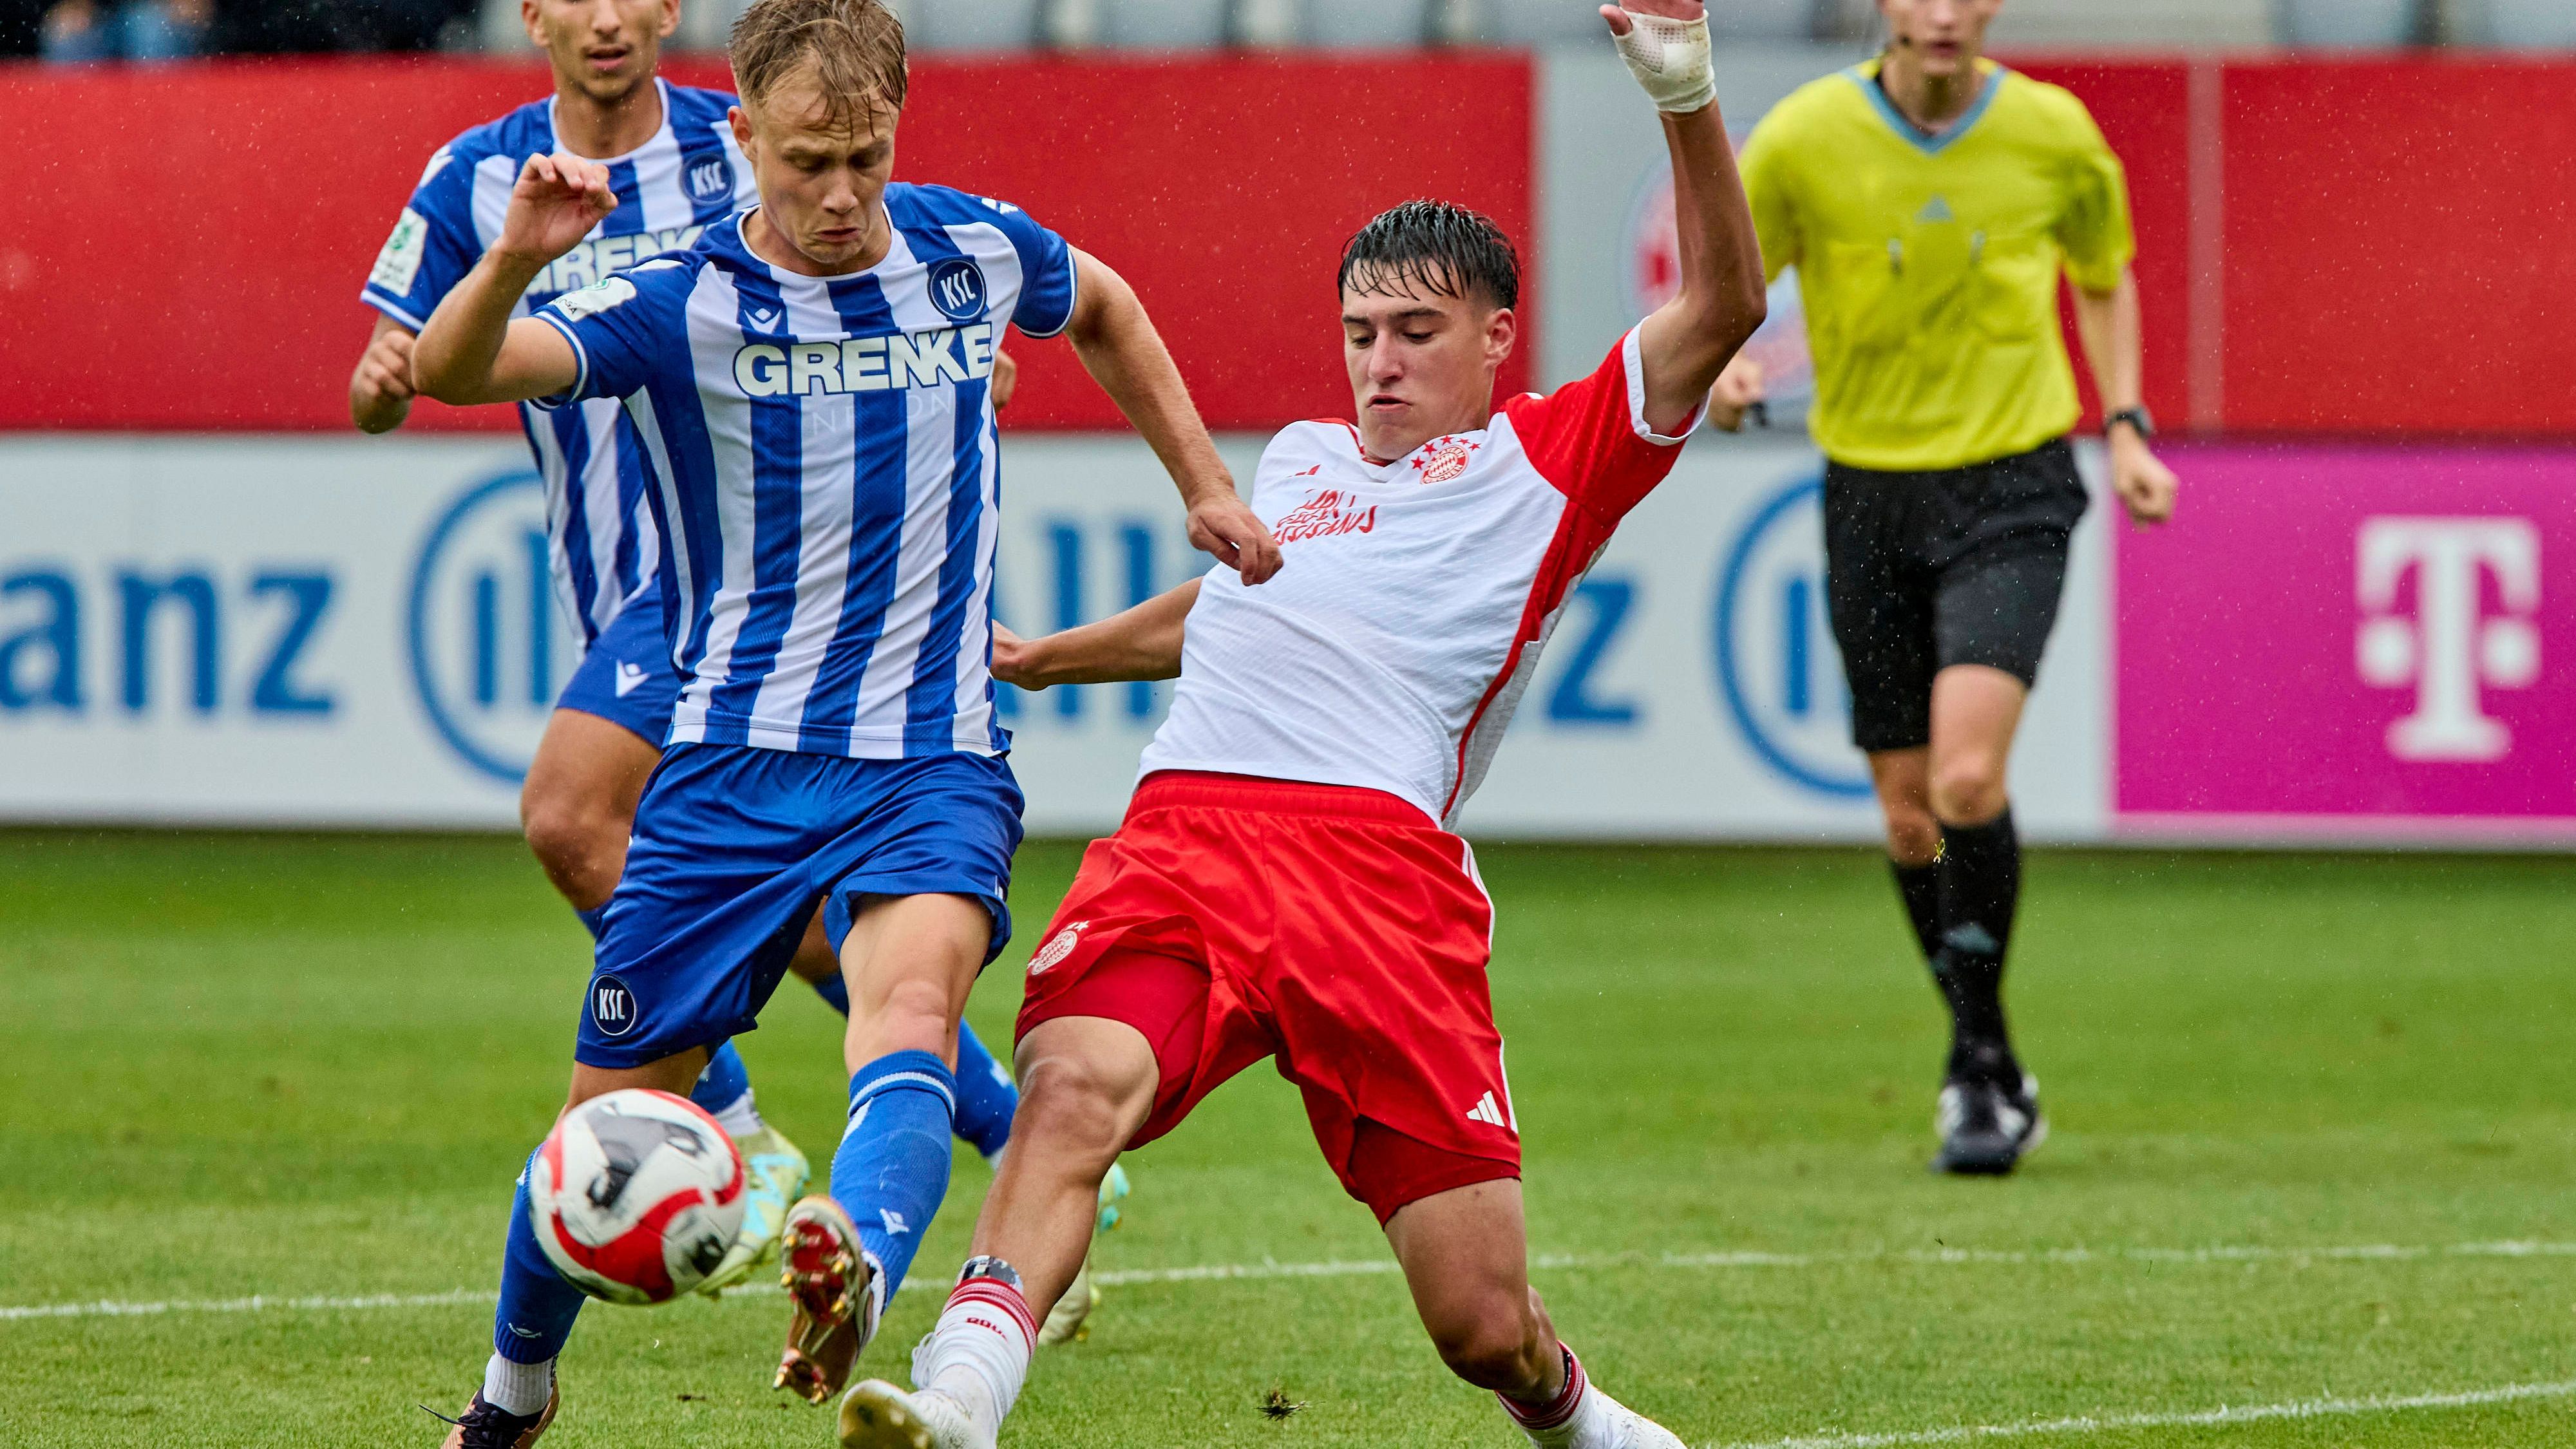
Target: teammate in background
column 1285, row 882
column 811, row 380
column 675, row 167
column 1929, row 200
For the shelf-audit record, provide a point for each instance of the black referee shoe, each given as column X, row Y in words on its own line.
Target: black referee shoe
column 1986, row 1128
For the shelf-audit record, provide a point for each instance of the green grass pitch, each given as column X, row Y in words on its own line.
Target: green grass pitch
column 2304, row 1106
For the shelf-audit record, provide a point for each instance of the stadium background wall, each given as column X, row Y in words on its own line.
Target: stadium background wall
column 255, row 616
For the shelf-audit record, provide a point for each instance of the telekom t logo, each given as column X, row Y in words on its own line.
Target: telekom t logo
column 2451, row 649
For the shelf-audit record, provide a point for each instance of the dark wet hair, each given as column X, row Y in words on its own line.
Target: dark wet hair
column 1437, row 247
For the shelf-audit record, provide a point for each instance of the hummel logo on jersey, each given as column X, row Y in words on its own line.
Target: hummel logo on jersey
column 1325, row 515
column 628, row 677
column 1487, row 1112
column 589, row 262
column 865, row 364
column 894, row 1222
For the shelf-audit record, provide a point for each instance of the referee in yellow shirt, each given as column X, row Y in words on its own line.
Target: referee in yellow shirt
column 1929, row 200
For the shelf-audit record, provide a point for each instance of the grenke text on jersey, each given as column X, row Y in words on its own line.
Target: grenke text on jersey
column 590, row 261
column 865, row 364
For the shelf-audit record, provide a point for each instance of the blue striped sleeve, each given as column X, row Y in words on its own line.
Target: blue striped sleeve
column 1045, row 305
column 431, row 246
column 621, row 327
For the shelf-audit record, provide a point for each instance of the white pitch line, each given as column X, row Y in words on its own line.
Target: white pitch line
column 1372, row 1267
column 2090, row 1424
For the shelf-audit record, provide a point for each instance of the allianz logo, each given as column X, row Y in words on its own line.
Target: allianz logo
column 590, row 261
column 865, row 364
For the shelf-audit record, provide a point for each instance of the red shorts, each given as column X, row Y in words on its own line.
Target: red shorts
column 1232, row 919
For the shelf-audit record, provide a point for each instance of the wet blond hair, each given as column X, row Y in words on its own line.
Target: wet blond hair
column 855, row 48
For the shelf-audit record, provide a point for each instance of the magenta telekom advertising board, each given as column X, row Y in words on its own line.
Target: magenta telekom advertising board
column 2352, row 644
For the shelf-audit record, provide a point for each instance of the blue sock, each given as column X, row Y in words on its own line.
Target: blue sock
column 985, row 1097
column 537, row 1305
column 725, row 1082
column 892, row 1167
column 594, row 920
column 835, row 993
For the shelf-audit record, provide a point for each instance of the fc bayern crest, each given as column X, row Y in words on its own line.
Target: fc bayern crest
column 1446, row 460
column 957, row 289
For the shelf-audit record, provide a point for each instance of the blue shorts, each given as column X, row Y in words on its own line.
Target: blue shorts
column 626, row 678
column 734, row 846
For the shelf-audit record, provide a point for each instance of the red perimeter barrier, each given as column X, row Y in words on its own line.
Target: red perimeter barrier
column 2361, row 247
column 182, row 248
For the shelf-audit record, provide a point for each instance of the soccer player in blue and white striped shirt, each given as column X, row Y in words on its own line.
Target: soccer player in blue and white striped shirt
column 810, row 382
column 675, row 167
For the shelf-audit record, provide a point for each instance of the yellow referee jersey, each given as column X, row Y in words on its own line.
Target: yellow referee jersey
column 1928, row 264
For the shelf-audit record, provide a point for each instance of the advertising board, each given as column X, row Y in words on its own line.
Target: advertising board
column 352, row 632
column 2353, row 643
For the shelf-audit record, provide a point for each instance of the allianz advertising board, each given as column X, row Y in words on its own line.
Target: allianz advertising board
column 360, row 633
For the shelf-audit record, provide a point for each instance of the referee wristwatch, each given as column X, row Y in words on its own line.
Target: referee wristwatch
column 2136, row 417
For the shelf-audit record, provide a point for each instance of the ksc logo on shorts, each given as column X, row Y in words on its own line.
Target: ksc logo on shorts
column 613, row 1010
column 957, row 289
column 1778, row 672
column 489, row 648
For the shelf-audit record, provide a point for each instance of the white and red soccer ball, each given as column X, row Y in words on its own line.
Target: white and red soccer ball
column 637, row 1195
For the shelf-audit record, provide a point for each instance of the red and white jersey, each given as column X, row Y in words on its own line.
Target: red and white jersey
column 1391, row 649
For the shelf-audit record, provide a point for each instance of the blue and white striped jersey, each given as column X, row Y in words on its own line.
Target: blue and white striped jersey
column 600, row 531
column 828, row 469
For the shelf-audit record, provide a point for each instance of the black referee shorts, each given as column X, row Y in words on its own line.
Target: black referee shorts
column 1927, row 570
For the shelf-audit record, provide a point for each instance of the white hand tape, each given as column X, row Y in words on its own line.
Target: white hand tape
column 1670, row 59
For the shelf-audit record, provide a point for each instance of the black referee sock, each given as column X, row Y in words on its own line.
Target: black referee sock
column 1980, row 877
column 1919, row 886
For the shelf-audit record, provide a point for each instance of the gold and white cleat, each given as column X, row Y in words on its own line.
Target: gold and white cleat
column 877, row 1415
column 774, row 1175
column 838, row 1295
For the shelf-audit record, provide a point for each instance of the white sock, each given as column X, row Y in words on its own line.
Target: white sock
column 741, row 1117
column 979, row 1354
column 518, row 1388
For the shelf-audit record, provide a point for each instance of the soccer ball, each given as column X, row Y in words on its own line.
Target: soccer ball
column 637, row 1195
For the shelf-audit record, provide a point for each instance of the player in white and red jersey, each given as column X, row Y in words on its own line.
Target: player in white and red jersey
column 1286, row 883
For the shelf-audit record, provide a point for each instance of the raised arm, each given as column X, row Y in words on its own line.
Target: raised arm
column 471, row 351
column 1118, row 345
column 1142, row 643
column 1688, row 340
column 2111, row 329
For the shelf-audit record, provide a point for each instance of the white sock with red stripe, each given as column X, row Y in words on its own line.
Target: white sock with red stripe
column 979, row 1354
column 1554, row 1424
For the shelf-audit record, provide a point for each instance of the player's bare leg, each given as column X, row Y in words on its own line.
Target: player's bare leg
column 1086, row 1086
column 1958, row 862
column 909, row 962
column 578, row 803
column 1465, row 1257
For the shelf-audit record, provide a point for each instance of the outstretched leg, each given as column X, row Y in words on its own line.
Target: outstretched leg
column 1465, row 1257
